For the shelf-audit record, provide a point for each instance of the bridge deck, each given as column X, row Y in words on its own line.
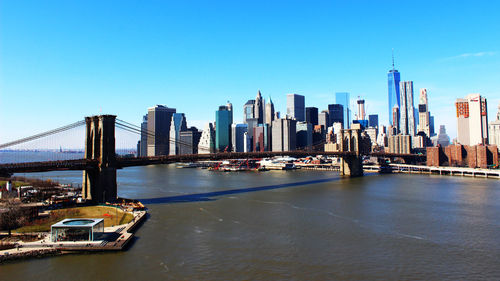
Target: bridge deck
column 86, row 164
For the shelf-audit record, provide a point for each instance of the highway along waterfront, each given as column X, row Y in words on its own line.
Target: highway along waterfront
column 302, row 224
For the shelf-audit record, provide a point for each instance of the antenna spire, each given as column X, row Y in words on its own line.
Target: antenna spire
column 392, row 58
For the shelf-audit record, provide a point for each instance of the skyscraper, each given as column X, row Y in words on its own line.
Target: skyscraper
column 295, row 107
column 248, row 110
column 284, row 135
column 336, row 113
column 190, row 139
column 343, row 99
column 304, row 135
column 143, row 148
column 238, row 136
column 361, row 109
column 261, row 138
column 395, row 117
column 223, row 121
column 494, row 129
column 423, row 114
column 269, row 112
column 472, row 120
column 442, row 138
column 431, row 125
column 406, row 110
column 373, row 120
column 207, row 140
column 159, row 119
column 177, row 126
column 259, row 109
column 393, row 79
column 312, row 115
column 324, row 119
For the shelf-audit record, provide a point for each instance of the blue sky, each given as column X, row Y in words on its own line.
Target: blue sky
column 63, row 60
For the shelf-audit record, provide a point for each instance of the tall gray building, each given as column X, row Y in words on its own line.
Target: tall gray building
column 177, row 126
column 442, row 138
column 407, row 110
column 423, row 114
column 190, row 138
column 295, row 107
column 259, row 108
column 248, row 110
column 238, row 136
column 324, row 119
column 269, row 112
column 494, row 129
column 251, row 123
column 159, row 119
column 284, row 135
column 143, row 146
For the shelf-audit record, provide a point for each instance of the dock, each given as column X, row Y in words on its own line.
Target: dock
column 421, row 169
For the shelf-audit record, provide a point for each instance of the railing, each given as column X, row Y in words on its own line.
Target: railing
column 31, row 167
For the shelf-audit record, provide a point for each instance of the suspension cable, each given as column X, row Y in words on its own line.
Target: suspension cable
column 137, row 130
column 41, row 135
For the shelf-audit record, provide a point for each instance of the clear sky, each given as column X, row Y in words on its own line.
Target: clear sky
column 63, row 60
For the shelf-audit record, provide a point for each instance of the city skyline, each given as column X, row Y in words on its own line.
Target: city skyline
column 49, row 70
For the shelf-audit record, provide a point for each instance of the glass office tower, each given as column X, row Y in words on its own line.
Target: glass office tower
column 177, row 126
column 295, row 107
column 223, row 121
column 343, row 99
column 394, row 99
column 336, row 114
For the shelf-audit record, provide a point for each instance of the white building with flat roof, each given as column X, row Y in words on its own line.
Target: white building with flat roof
column 472, row 120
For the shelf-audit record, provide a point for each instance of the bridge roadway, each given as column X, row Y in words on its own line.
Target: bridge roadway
column 123, row 162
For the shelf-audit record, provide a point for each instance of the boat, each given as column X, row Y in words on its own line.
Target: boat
column 187, row 165
column 276, row 164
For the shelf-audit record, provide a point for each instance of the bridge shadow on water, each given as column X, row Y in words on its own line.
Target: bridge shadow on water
column 210, row 196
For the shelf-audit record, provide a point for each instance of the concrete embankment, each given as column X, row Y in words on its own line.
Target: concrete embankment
column 33, row 253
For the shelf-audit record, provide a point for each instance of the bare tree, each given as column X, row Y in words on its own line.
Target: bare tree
column 12, row 216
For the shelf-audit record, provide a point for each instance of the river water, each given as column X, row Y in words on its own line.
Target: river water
column 295, row 225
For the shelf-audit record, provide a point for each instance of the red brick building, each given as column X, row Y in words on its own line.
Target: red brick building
column 477, row 156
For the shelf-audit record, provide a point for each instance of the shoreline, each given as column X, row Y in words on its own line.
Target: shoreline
column 432, row 170
column 45, row 248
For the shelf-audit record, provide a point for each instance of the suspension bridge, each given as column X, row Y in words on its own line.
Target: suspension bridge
column 99, row 158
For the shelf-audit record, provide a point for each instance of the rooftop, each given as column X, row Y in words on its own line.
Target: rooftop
column 78, row 222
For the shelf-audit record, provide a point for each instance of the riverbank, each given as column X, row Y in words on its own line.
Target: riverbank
column 115, row 238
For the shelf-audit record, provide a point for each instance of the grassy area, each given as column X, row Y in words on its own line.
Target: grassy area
column 14, row 183
column 112, row 216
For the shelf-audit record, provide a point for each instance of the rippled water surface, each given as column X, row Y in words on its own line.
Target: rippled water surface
column 303, row 225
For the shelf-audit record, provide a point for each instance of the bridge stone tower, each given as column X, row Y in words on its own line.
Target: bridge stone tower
column 99, row 185
column 353, row 141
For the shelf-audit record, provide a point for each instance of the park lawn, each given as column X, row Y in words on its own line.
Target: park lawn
column 15, row 183
column 114, row 216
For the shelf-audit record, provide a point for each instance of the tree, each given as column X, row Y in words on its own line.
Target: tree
column 11, row 216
